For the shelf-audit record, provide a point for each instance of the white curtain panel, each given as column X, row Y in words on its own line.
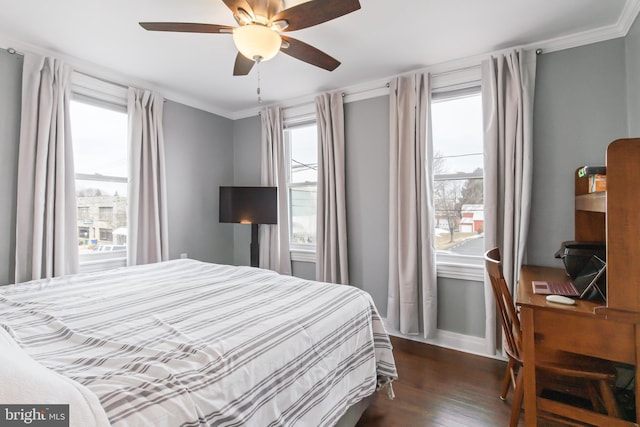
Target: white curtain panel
column 332, row 262
column 274, row 239
column 412, row 299
column 46, row 228
column 508, row 83
column 148, row 238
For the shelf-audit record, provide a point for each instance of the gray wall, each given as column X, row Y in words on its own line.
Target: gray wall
column 461, row 306
column 10, row 88
column 580, row 107
column 246, row 162
column 199, row 149
column 367, row 180
column 632, row 45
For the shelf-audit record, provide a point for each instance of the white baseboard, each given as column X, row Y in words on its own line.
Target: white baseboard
column 452, row 340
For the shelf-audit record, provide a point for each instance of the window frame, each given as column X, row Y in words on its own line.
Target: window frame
column 297, row 251
column 448, row 265
column 103, row 94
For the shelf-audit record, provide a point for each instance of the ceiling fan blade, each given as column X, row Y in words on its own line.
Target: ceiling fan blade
column 186, row 27
column 308, row 53
column 243, row 65
column 315, row 12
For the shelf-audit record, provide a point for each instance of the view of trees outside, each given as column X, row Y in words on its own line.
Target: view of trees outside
column 458, row 170
column 100, row 159
column 302, row 180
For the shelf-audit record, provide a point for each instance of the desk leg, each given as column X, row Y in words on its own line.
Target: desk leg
column 528, row 355
column 637, row 374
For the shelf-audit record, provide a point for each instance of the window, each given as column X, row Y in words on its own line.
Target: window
column 105, row 213
column 458, row 176
column 99, row 132
column 83, row 212
column 83, row 233
column 106, row 235
column 302, row 176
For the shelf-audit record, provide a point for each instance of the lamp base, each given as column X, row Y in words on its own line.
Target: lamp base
column 255, row 247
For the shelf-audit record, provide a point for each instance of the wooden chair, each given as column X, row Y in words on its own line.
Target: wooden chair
column 561, row 371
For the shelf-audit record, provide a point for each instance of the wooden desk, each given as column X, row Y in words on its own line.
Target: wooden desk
column 570, row 328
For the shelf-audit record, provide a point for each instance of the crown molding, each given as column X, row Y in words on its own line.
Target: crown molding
column 617, row 30
column 112, row 76
column 629, row 15
column 303, row 104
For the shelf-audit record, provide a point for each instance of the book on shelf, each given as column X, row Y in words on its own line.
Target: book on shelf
column 597, row 176
column 597, row 183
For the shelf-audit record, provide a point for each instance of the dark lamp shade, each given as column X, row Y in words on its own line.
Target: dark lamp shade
column 249, row 205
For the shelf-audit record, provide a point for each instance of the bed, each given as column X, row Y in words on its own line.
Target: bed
column 188, row 343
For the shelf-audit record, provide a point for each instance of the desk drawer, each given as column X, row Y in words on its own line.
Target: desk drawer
column 594, row 336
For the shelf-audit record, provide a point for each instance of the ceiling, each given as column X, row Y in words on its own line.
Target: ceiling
column 380, row 40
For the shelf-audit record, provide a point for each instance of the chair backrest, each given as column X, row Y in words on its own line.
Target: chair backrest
column 506, row 307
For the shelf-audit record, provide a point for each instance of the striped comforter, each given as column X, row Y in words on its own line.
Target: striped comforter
column 197, row 344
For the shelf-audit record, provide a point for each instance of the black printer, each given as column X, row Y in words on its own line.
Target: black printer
column 578, row 264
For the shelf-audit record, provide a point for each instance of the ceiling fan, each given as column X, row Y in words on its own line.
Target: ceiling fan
column 260, row 23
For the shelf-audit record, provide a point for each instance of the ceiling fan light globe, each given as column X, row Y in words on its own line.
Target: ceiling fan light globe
column 255, row 40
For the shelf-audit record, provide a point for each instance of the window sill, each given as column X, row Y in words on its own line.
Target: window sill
column 449, row 269
column 462, row 267
column 299, row 255
column 102, row 261
column 460, row 271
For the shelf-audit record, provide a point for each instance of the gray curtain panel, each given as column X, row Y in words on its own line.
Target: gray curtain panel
column 412, row 299
column 274, row 239
column 332, row 263
column 148, row 239
column 46, row 229
column 508, row 83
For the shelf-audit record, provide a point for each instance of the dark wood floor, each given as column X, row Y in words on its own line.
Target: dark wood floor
column 441, row 387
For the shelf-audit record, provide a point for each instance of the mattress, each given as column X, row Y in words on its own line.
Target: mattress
column 190, row 343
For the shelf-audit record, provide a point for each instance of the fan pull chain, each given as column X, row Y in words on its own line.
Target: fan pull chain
column 258, row 90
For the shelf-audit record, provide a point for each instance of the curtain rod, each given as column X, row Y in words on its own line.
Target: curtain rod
column 443, row 73
column 12, row 51
column 349, row 93
column 387, row 85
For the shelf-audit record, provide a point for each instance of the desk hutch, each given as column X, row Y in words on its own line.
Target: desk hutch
column 615, row 218
column 610, row 331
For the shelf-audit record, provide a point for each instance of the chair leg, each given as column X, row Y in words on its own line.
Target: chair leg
column 609, row 399
column 518, row 395
column 507, row 381
column 594, row 396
